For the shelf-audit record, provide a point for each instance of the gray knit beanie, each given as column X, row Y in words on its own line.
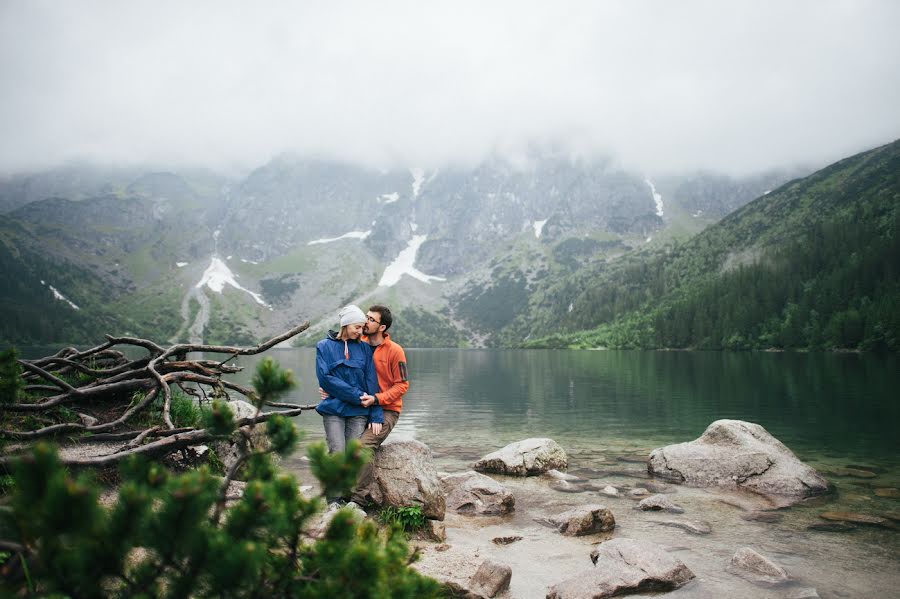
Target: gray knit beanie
column 351, row 315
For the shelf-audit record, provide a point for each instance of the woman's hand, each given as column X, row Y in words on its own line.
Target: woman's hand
column 322, row 394
column 375, row 427
column 366, row 400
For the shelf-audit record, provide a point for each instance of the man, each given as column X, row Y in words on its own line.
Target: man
column 393, row 382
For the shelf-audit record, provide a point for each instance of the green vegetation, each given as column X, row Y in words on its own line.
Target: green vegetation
column 407, row 518
column 811, row 265
column 171, row 535
column 414, row 327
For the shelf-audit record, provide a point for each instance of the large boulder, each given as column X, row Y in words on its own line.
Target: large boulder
column 742, row 455
column 623, row 567
column 472, row 493
column 525, row 458
column 404, row 475
column 491, row 578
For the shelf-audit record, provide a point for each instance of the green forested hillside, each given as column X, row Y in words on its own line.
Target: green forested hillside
column 814, row 264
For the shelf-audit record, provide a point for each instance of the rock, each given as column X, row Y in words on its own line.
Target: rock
column 752, row 566
column 888, row 492
column 624, row 566
column 742, row 455
column 566, row 487
column 659, row 487
column 856, row 518
column 228, row 450
column 320, row 525
column 491, row 578
column 610, row 491
column 404, row 475
column 831, row 527
column 434, row 530
column 632, row 459
column 563, row 476
column 87, row 419
column 505, row 540
column 695, row 527
column 472, row 493
column 854, row 472
column 803, row 593
column 660, row 503
column 584, row 520
column 761, row 516
column 638, row 492
column 525, row 458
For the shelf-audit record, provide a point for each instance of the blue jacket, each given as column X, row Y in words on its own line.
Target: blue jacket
column 344, row 379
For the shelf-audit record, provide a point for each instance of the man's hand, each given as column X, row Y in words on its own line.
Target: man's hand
column 322, row 394
column 375, row 427
column 366, row 400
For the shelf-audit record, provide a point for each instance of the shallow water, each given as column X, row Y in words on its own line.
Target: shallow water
column 610, row 409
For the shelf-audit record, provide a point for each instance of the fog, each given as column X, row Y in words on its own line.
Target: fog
column 659, row 86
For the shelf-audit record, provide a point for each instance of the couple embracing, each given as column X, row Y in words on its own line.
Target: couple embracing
column 362, row 378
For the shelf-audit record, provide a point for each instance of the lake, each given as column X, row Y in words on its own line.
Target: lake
column 609, row 409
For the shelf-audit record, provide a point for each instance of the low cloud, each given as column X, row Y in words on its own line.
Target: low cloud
column 661, row 86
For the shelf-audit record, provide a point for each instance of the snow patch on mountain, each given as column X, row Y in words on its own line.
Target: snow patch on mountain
column 350, row 235
column 181, row 264
column 403, row 265
column 418, row 178
column 389, row 198
column 657, row 197
column 539, row 226
column 60, row 296
column 217, row 275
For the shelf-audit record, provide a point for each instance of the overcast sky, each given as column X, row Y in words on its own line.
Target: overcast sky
column 662, row 86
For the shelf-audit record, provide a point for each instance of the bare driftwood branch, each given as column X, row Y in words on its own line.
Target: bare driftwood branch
column 112, row 379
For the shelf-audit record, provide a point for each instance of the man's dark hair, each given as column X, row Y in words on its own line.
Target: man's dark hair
column 384, row 314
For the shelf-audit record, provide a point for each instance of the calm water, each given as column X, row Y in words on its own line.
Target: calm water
column 842, row 405
column 609, row 409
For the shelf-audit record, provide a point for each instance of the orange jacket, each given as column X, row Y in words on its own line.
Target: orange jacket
column 390, row 366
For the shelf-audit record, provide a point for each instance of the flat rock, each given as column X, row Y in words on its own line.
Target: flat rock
column 762, row 516
column 856, row 518
column 471, row 493
column 752, row 566
column 655, row 487
column 566, row 487
column 803, row 593
column 694, row 527
column 739, row 455
column 565, row 476
column 525, row 458
column 491, row 578
column 625, row 566
column 659, row 503
column 404, row 475
column 584, row 520
column 638, row 492
column 831, row 527
column 506, row 540
column 853, row 472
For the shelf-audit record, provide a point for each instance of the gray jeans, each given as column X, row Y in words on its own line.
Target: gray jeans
column 340, row 430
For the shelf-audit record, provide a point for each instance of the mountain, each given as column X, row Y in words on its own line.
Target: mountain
column 813, row 264
column 464, row 255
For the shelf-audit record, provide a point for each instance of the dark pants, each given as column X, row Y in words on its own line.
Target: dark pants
column 373, row 442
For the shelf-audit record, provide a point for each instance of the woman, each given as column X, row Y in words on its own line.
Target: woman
column 346, row 372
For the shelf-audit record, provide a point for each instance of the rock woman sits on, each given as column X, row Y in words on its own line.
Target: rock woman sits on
column 346, row 372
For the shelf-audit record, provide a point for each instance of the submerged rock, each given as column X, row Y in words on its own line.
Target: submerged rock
column 625, row 566
column 404, row 475
column 762, row 516
column 566, row 487
column 660, row 503
column 475, row 494
column 584, row 520
column 853, row 472
column 888, row 492
column 741, row 455
column 831, row 527
column 695, row 527
column 564, row 476
column 610, row 491
column 525, row 458
column 857, row 518
column 506, row 540
column 752, row 566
